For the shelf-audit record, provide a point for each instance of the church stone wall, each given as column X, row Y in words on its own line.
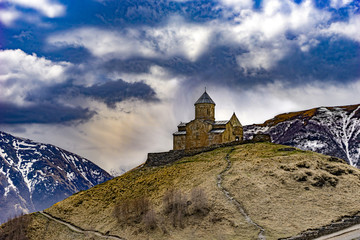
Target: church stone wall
column 228, row 134
column 179, row 142
column 238, row 131
column 215, row 138
column 205, row 111
column 197, row 132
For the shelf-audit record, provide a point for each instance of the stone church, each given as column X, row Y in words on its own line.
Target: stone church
column 204, row 131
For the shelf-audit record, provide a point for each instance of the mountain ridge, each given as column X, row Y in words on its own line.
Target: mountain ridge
column 332, row 131
column 35, row 175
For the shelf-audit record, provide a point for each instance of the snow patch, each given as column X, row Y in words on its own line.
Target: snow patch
column 70, row 176
column 10, row 182
column 312, row 145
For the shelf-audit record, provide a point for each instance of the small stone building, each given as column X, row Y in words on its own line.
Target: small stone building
column 204, row 131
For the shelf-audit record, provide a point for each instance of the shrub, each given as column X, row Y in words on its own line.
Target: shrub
column 199, row 202
column 150, row 220
column 131, row 210
column 175, row 205
column 15, row 229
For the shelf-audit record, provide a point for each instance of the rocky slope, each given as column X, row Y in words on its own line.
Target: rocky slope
column 282, row 191
column 33, row 176
column 333, row 131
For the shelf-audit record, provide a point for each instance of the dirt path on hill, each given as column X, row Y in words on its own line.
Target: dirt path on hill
column 78, row 229
column 237, row 204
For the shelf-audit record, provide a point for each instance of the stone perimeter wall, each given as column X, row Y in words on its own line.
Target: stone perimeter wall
column 343, row 223
column 163, row 158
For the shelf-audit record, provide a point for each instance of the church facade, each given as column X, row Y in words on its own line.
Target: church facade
column 204, row 131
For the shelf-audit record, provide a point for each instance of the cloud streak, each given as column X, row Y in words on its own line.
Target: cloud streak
column 42, row 113
column 48, row 8
column 349, row 29
column 12, row 10
column 177, row 38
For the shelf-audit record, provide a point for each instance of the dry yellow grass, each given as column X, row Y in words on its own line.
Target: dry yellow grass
column 93, row 209
column 279, row 189
column 288, row 116
column 43, row 228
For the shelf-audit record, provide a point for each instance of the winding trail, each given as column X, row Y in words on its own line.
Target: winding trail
column 261, row 235
column 78, row 229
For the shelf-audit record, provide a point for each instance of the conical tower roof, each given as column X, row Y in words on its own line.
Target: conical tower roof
column 205, row 98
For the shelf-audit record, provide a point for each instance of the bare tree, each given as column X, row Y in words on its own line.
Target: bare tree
column 199, row 202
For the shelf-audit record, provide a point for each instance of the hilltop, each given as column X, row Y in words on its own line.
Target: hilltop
column 283, row 191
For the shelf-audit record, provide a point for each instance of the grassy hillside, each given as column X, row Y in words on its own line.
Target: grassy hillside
column 285, row 192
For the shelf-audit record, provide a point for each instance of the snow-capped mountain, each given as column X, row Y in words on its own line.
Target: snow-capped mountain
column 33, row 176
column 333, row 131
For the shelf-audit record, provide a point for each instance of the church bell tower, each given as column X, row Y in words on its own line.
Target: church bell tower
column 205, row 108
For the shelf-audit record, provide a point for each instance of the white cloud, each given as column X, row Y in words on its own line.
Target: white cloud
column 348, row 29
column 105, row 43
column 12, row 11
column 339, row 3
column 263, row 33
column 180, row 38
column 48, row 8
column 21, row 72
column 237, row 5
column 8, row 16
column 277, row 16
column 260, row 58
column 177, row 38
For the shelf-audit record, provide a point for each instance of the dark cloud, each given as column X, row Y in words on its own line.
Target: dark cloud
column 109, row 92
column 41, row 113
column 136, row 65
column 332, row 59
column 218, row 66
column 130, row 12
column 112, row 92
column 69, row 54
column 47, row 104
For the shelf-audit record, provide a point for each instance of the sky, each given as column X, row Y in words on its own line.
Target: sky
column 111, row 79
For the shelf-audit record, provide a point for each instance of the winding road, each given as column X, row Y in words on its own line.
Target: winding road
column 78, row 229
column 228, row 195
